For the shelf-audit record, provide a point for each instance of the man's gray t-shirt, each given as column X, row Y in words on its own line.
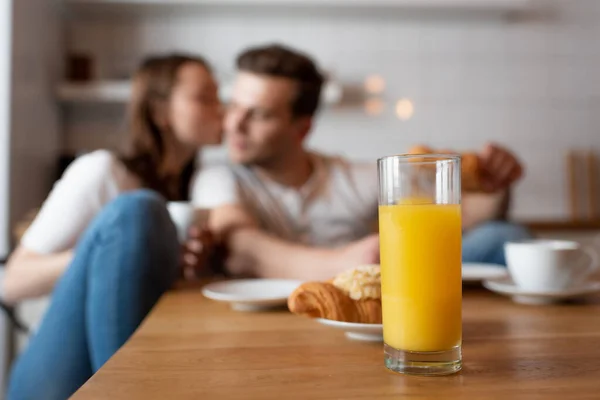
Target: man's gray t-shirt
column 338, row 204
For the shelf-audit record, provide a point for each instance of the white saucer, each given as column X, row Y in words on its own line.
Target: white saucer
column 251, row 294
column 507, row 287
column 356, row 331
column 477, row 272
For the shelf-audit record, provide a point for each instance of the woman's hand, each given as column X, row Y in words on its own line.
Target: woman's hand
column 30, row 274
column 196, row 255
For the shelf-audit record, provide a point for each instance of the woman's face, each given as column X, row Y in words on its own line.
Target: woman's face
column 194, row 110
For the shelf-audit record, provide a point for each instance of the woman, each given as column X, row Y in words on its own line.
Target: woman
column 104, row 236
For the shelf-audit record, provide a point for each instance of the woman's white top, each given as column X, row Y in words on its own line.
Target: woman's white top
column 88, row 184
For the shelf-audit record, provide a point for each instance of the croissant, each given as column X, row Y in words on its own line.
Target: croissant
column 471, row 170
column 324, row 300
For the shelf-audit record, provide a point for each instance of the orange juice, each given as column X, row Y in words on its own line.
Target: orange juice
column 421, row 283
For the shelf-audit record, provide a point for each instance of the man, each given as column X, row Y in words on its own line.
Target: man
column 287, row 212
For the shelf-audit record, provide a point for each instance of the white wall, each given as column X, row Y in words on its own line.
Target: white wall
column 5, row 40
column 531, row 83
column 5, row 49
column 35, row 135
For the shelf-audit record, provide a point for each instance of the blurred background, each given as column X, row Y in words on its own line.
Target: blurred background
column 448, row 73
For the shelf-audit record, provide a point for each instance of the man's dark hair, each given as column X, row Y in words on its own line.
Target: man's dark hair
column 280, row 61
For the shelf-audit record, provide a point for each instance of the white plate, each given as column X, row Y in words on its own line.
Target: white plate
column 251, row 294
column 507, row 287
column 476, row 272
column 356, row 331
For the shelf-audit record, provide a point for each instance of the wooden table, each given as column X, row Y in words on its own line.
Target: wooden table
column 192, row 348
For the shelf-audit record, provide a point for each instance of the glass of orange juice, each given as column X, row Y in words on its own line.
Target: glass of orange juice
column 420, row 245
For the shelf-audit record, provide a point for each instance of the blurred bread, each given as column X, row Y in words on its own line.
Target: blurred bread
column 471, row 170
column 353, row 296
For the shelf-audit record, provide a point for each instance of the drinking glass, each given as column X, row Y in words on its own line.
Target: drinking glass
column 421, row 241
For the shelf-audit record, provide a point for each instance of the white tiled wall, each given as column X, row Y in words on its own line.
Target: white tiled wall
column 532, row 83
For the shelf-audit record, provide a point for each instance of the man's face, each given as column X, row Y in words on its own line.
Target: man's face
column 259, row 125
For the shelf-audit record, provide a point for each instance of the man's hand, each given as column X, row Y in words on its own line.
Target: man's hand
column 500, row 168
column 258, row 254
column 196, row 253
column 361, row 252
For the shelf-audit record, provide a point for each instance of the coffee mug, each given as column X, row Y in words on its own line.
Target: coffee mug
column 549, row 265
column 184, row 215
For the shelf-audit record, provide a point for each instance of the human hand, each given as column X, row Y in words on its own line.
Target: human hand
column 196, row 252
column 500, row 168
column 361, row 252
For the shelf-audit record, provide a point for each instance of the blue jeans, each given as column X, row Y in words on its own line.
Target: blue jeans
column 485, row 243
column 125, row 261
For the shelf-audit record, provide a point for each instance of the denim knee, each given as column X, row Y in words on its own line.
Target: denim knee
column 502, row 231
column 485, row 243
column 142, row 201
column 137, row 218
column 143, row 206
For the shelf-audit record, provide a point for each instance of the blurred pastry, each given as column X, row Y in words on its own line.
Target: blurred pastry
column 471, row 169
column 352, row 296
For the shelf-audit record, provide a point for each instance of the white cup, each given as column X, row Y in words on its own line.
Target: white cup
column 549, row 265
column 184, row 215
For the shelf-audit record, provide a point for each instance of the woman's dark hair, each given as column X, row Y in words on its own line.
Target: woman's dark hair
column 147, row 147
